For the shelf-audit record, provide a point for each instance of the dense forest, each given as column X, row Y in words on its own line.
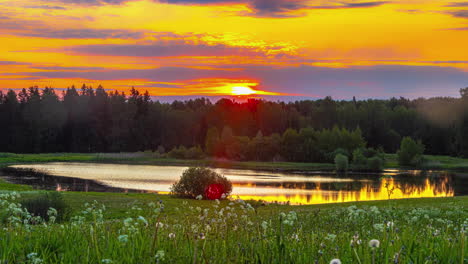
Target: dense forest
column 94, row 120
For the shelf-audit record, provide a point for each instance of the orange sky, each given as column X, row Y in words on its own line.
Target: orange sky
column 207, row 47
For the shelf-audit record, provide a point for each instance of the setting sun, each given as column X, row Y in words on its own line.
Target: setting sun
column 242, row 90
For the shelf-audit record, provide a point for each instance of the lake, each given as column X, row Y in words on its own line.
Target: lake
column 294, row 188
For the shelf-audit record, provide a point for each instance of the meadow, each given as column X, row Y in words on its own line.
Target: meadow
column 151, row 228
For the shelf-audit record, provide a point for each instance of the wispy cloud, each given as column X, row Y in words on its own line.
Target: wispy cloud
column 280, row 8
column 459, row 13
column 46, row 7
column 258, row 8
column 457, row 4
column 13, row 63
column 82, row 33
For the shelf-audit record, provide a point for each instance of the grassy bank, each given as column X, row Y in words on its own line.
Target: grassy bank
column 149, row 228
column 149, row 158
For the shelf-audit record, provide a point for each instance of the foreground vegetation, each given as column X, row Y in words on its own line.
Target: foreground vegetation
column 148, row 228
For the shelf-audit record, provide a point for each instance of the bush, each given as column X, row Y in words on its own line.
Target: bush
column 197, row 181
column 341, row 163
column 40, row 205
column 368, row 159
column 184, row 153
column 410, row 153
column 330, row 156
column 195, row 153
column 178, row 153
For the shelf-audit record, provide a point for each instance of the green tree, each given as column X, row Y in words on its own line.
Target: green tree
column 411, row 152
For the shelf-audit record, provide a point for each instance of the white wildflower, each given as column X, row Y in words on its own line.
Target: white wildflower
column 123, row 238
column 159, row 255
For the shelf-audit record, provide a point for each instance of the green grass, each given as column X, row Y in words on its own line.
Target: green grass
column 6, row 186
column 154, row 159
column 132, row 228
column 433, row 162
column 11, row 158
column 149, row 158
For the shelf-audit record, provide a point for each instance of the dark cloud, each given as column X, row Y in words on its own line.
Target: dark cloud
column 85, row 33
column 47, row 7
column 260, row 8
column 451, row 62
column 164, row 74
column 461, row 29
column 163, row 49
column 460, row 13
column 278, row 8
column 457, row 4
column 58, row 68
column 13, row 63
column 93, row 2
column 352, row 5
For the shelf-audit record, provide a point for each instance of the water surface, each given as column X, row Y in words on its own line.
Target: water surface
column 294, row 188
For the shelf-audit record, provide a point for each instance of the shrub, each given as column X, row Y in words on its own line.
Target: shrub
column 330, row 156
column 195, row 153
column 196, row 181
column 40, row 205
column 368, row 159
column 178, row 153
column 184, row 153
column 410, row 152
column 341, row 163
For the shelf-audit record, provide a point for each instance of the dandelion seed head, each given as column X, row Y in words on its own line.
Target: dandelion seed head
column 374, row 243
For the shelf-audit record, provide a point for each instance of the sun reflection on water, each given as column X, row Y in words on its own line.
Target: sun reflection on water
column 388, row 189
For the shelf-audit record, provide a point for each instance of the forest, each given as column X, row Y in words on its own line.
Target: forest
column 95, row 120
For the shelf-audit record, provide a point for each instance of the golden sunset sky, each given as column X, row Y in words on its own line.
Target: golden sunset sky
column 287, row 49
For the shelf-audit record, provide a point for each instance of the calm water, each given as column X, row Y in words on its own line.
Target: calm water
column 295, row 188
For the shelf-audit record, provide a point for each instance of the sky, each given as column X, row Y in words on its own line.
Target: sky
column 283, row 49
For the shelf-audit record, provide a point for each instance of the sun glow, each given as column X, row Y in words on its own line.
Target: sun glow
column 243, row 90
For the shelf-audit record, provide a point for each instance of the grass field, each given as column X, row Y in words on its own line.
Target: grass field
column 150, row 228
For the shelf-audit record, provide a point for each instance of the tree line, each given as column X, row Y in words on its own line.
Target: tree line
column 95, row 120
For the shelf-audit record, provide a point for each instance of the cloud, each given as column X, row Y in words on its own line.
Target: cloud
column 46, row 7
column 460, row 13
column 259, row 8
column 351, row 5
column 163, row 74
column 457, row 4
column 93, row 2
column 59, row 68
column 461, row 29
column 13, row 63
column 85, row 33
column 279, row 8
column 163, row 49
